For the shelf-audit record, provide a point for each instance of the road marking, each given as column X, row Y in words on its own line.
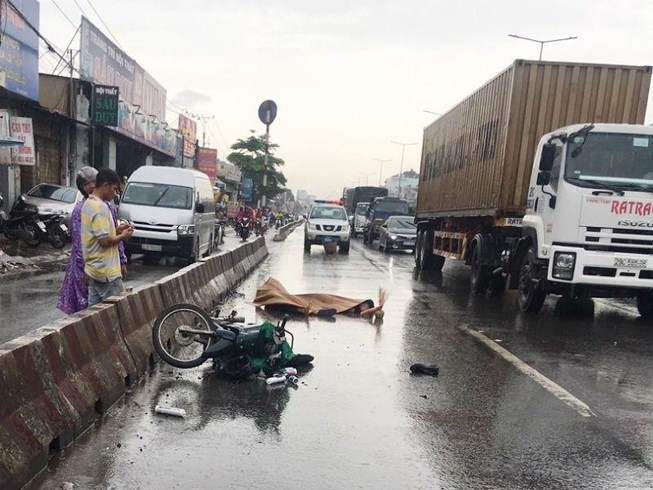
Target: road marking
column 553, row 388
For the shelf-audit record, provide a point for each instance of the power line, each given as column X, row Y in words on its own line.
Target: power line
column 35, row 30
column 104, row 24
column 63, row 13
column 66, row 50
column 80, row 8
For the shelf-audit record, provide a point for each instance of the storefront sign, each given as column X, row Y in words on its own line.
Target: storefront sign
column 20, row 128
column 103, row 62
column 247, row 190
column 229, row 172
column 145, row 129
column 207, row 159
column 105, row 105
column 19, row 58
column 188, row 128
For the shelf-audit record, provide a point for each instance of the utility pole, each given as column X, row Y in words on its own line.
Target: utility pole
column 401, row 167
column 381, row 172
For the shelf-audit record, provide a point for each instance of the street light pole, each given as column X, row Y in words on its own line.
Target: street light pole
column 542, row 43
column 401, row 166
column 382, row 162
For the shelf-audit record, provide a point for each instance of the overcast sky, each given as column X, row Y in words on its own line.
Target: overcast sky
column 348, row 76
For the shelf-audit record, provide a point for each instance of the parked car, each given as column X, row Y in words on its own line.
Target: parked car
column 397, row 233
column 55, row 197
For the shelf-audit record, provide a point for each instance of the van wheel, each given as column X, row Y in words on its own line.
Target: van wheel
column 645, row 304
column 196, row 253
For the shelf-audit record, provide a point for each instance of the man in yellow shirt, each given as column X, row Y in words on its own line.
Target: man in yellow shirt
column 100, row 239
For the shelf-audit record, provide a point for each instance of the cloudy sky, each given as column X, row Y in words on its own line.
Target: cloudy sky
column 349, row 77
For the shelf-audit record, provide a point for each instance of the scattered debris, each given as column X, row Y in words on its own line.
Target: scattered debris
column 67, row 485
column 177, row 412
column 430, row 369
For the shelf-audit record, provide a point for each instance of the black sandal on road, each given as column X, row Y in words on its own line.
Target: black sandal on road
column 430, row 369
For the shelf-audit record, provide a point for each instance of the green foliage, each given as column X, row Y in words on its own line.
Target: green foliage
column 249, row 156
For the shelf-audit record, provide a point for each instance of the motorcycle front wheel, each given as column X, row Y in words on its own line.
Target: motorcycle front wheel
column 58, row 238
column 178, row 348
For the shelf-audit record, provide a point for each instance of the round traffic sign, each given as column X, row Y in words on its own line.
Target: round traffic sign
column 267, row 112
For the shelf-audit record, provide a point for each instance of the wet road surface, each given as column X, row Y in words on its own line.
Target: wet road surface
column 359, row 419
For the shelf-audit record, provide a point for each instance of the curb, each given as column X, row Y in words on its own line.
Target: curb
column 58, row 380
column 286, row 230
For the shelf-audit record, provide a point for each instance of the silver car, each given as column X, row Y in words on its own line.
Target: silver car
column 54, row 197
column 397, row 233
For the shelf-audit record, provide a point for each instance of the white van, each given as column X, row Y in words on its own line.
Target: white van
column 172, row 211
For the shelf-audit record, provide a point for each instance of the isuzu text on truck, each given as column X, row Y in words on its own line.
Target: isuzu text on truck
column 543, row 179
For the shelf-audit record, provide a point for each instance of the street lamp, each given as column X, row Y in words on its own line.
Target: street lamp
column 542, row 43
column 382, row 162
column 366, row 175
column 401, row 166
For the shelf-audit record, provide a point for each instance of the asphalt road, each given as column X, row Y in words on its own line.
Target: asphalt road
column 560, row 400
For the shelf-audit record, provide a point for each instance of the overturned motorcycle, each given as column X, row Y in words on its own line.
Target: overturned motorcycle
column 185, row 336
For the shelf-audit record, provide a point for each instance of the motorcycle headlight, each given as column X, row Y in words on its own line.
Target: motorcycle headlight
column 563, row 265
column 186, row 230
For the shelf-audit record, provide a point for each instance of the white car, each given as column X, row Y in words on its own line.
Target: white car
column 327, row 223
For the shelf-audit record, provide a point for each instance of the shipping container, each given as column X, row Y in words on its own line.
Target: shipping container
column 477, row 158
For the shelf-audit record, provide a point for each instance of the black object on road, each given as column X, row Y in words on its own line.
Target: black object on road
column 430, row 369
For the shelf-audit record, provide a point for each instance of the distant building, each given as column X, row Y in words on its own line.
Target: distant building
column 409, row 185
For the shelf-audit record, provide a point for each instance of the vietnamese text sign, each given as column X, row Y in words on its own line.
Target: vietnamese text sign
column 103, row 62
column 19, row 49
column 105, row 105
column 21, row 129
column 207, row 159
column 145, row 129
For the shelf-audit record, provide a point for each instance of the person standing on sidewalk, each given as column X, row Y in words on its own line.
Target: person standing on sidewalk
column 100, row 239
column 73, row 295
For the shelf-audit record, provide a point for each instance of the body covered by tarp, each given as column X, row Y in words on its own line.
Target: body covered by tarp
column 273, row 295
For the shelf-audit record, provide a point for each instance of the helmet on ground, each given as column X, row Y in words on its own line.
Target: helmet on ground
column 84, row 176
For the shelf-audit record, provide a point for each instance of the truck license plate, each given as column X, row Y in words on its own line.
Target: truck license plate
column 151, row 248
column 630, row 263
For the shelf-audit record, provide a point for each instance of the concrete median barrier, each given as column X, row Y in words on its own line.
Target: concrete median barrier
column 283, row 232
column 58, row 380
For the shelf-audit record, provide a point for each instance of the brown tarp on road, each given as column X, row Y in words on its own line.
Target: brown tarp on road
column 273, row 295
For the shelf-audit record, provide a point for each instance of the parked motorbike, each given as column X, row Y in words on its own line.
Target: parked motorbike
column 185, row 336
column 56, row 232
column 23, row 223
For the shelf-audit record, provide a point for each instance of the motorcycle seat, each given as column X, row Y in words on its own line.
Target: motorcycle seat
column 238, row 329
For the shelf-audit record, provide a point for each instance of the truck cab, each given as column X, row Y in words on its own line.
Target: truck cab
column 380, row 209
column 588, row 226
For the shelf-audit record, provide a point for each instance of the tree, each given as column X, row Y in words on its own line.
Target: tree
column 249, row 156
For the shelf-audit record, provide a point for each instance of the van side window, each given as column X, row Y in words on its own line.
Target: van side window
column 204, row 193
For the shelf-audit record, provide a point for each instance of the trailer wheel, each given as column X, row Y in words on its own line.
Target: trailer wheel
column 645, row 304
column 531, row 293
column 425, row 247
column 480, row 274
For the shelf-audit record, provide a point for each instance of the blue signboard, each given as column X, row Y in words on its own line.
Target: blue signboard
column 19, row 50
column 246, row 189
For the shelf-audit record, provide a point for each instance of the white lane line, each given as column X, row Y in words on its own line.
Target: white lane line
column 553, row 388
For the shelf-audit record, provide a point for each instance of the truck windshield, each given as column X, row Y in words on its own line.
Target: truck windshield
column 619, row 160
column 392, row 207
column 159, row 195
column 361, row 207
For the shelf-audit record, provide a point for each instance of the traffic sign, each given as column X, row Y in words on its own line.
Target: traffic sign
column 267, row 112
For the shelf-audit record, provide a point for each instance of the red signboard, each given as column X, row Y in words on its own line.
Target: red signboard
column 207, row 160
column 188, row 129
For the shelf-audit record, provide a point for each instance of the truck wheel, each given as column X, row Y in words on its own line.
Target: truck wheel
column 480, row 274
column 438, row 262
column 425, row 247
column 531, row 293
column 307, row 246
column 645, row 304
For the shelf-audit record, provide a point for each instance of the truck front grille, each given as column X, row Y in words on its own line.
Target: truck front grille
column 619, row 240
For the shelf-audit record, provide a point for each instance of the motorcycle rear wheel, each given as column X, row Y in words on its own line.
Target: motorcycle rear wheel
column 177, row 348
column 32, row 235
column 58, row 238
column 10, row 233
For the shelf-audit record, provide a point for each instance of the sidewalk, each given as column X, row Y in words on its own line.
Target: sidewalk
column 18, row 260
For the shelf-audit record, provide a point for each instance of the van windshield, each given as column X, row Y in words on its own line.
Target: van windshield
column 361, row 207
column 159, row 195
